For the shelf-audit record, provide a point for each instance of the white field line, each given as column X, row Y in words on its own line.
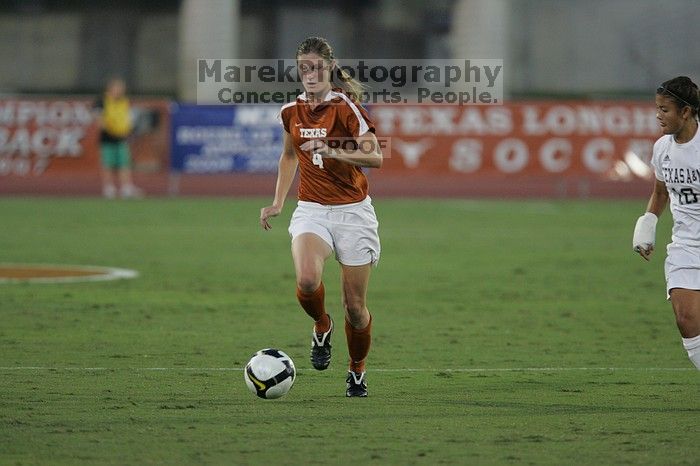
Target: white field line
column 424, row 369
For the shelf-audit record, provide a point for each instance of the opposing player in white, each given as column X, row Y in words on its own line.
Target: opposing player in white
column 676, row 162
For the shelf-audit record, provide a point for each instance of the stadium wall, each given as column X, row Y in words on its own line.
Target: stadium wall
column 528, row 149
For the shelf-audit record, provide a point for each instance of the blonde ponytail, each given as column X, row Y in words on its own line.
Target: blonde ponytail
column 352, row 87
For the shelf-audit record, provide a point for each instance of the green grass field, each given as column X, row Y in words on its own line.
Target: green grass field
column 504, row 333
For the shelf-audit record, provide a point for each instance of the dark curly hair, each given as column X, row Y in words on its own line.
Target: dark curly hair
column 683, row 91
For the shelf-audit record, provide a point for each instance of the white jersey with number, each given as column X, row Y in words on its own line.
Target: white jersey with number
column 678, row 165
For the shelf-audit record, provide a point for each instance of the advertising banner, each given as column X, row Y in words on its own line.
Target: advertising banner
column 546, row 139
column 42, row 138
column 225, row 139
column 38, row 138
column 52, row 145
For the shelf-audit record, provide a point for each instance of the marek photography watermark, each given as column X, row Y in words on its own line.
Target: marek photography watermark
column 278, row 81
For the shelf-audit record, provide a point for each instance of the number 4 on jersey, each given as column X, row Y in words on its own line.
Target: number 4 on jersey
column 317, row 160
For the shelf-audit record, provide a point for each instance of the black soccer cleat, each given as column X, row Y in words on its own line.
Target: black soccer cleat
column 321, row 348
column 357, row 384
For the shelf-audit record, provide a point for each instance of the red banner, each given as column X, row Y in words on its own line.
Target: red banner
column 51, row 146
column 607, row 140
column 41, row 138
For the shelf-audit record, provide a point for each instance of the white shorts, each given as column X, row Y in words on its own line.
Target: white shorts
column 351, row 230
column 682, row 268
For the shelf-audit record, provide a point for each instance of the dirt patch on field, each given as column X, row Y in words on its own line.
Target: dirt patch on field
column 42, row 273
column 20, row 272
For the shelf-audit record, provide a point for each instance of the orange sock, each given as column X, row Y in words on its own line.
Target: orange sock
column 314, row 307
column 359, row 341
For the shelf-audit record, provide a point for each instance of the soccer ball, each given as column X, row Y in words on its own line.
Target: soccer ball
column 270, row 373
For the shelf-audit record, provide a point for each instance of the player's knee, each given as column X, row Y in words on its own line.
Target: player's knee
column 308, row 283
column 354, row 305
column 355, row 310
column 685, row 319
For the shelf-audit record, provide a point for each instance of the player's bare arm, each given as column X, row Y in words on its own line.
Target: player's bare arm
column 645, row 230
column 287, row 168
column 659, row 199
column 367, row 154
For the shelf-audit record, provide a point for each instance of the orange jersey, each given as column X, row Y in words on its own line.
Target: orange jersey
column 340, row 117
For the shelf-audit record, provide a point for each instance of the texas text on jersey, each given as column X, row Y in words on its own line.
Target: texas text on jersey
column 327, row 181
column 678, row 166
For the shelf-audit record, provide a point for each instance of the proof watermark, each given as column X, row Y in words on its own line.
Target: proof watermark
column 278, row 81
column 320, row 147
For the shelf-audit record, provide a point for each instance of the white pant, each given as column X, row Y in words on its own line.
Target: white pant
column 351, row 230
column 682, row 267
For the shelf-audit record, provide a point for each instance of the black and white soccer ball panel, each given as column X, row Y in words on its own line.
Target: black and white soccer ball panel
column 270, row 373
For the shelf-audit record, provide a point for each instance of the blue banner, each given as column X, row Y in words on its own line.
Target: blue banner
column 225, row 139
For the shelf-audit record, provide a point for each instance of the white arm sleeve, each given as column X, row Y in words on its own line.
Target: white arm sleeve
column 644, row 232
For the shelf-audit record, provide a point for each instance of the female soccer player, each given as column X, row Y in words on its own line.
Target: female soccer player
column 676, row 162
column 334, row 213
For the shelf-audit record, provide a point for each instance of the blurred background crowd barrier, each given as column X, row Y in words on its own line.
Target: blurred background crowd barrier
column 545, row 148
column 578, row 119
